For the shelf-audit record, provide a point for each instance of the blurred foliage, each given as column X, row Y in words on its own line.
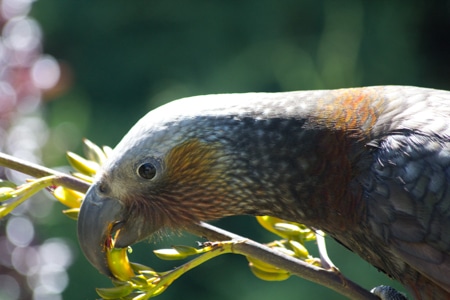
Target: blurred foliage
column 122, row 58
column 127, row 58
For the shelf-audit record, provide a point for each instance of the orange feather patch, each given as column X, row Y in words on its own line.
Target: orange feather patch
column 351, row 109
column 193, row 162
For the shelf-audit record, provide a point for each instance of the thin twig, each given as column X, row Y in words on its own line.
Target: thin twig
column 38, row 171
column 332, row 278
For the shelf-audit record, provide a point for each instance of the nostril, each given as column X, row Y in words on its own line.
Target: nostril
column 103, row 188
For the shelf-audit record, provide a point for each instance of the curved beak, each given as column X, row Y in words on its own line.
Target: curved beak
column 98, row 215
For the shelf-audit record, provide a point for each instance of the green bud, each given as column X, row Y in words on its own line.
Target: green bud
column 299, row 249
column 170, row 254
column 139, row 268
column 269, row 276
column 139, row 280
column 87, row 167
column 6, row 193
column 115, row 292
column 94, row 152
column 289, row 229
column 72, row 213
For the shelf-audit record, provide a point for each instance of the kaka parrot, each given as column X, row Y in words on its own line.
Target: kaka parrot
column 370, row 166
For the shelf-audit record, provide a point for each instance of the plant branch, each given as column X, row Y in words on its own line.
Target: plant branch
column 331, row 278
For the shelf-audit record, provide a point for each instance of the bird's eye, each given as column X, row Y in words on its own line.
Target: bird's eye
column 147, row 170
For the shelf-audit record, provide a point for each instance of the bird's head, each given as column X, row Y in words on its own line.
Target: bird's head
column 177, row 166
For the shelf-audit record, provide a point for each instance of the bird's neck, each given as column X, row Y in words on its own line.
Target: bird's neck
column 298, row 171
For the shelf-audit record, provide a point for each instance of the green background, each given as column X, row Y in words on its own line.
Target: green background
column 127, row 57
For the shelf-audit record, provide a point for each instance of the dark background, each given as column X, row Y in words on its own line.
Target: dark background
column 123, row 58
